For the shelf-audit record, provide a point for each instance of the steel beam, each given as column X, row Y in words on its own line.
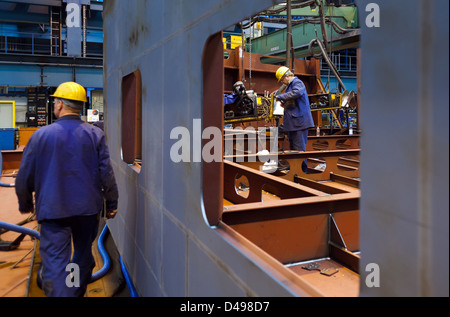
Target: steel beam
column 291, row 230
column 295, row 227
column 289, row 208
column 332, row 142
column 260, row 76
column 295, row 159
column 274, row 44
column 258, row 182
column 345, row 16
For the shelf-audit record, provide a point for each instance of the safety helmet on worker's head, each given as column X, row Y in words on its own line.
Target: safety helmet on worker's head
column 70, row 91
column 281, row 72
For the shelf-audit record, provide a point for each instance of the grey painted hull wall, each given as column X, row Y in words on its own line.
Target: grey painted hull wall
column 160, row 229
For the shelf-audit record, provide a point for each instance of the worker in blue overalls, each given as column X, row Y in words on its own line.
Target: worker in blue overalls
column 67, row 166
column 297, row 111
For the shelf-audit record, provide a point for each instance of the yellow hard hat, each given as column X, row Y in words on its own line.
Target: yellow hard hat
column 281, row 72
column 70, row 91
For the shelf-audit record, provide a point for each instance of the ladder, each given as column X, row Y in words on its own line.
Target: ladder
column 55, row 31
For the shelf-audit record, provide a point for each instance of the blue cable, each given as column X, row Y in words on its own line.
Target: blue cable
column 130, row 285
column 106, row 260
column 20, row 229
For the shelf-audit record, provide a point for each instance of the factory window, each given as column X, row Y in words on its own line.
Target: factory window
column 132, row 120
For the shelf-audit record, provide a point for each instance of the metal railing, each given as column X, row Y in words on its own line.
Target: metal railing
column 343, row 63
column 25, row 43
column 34, row 44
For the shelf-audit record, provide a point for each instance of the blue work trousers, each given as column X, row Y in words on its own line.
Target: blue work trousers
column 297, row 142
column 58, row 238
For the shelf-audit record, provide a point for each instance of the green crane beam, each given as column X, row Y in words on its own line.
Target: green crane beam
column 346, row 18
column 348, row 13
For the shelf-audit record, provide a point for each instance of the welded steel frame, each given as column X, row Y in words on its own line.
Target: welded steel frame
column 260, row 77
column 328, row 208
column 333, row 142
column 301, row 202
column 341, row 162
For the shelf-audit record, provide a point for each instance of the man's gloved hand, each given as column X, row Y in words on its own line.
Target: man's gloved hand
column 29, row 210
column 110, row 214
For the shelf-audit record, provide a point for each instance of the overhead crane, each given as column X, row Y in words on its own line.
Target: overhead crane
column 339, row 31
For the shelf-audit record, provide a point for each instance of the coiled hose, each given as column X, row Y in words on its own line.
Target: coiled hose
column 95, row 276
column 101, row 248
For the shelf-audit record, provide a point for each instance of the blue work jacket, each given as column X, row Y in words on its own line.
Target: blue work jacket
column 67, row 165
column 297, row 112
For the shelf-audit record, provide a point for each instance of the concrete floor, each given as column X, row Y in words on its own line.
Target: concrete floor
column 13, row 275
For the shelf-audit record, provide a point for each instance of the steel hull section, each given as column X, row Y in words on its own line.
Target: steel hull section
column 161, row 230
